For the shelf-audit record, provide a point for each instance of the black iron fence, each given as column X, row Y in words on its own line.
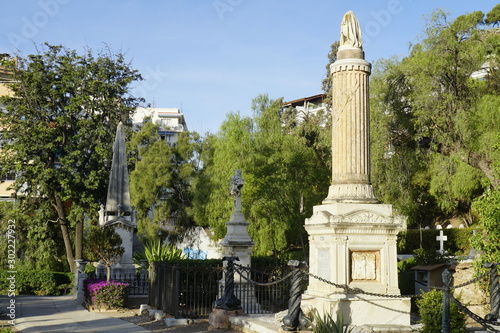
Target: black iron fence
column 191, row 291
column 184, row 291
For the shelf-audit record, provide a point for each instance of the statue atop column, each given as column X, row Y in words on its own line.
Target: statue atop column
column 235, row 185
column 350, row 32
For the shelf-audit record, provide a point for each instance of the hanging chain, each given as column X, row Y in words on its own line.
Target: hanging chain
column 360, row 291
column 483, row 322
column 480, row 277
column 283, row 279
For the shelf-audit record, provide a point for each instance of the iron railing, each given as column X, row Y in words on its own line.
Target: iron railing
column 191, row 292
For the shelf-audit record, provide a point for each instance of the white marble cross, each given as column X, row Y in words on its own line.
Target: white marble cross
column 441, row 238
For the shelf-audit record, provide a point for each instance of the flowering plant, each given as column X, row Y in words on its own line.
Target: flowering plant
column 105, row 294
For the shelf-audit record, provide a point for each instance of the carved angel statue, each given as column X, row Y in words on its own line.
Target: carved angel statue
column 236, row 183
column 350, row 31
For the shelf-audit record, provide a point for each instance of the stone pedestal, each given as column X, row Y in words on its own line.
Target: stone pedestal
column 354, row 245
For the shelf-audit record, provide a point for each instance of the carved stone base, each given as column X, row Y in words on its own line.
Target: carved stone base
column 363, row 310
column 219, row 318
column 350, row 193
column 354, row 245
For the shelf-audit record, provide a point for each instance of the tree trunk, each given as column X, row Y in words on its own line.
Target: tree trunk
column 64, row 230
column 79, row 239
column 108, row 272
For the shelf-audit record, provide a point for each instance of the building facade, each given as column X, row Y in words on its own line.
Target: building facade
column 6, row 193
column 170, row 120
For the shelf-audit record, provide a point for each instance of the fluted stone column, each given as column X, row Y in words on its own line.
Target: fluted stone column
column 352, row 236
column 350, row 128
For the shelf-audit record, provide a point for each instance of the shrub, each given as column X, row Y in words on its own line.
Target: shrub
column 328, row 325
column 156, row 251
column 37, row 282
column 431, row 312
column 105, row 294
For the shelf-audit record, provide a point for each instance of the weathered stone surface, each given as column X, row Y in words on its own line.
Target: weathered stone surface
column 352, row 236
column 477, row 300
column 219, row 318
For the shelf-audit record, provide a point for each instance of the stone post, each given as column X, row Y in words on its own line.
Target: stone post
column 80, row 276
column 446, row 328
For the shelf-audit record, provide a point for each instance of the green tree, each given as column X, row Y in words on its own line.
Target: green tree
column 283, row 166
column 61, row 122
column 433, row 124
column 161, row 181
column 105, row 245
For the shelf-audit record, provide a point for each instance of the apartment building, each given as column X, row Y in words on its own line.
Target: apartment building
column 170, row 120
column 5, row 182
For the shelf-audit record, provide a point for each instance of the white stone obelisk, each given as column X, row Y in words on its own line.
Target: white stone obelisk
column 118, row 212
column 352, row 236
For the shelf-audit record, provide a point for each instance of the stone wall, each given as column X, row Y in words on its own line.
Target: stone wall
column 471, row 295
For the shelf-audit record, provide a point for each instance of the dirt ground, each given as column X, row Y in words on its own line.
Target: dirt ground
column 131, row 314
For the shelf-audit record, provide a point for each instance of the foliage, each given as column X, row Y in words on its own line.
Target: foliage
column 37, row 282
column 161, row 181
column 431, row 311
column 156, row 251
column 458, row 242
column 70, row 105
column 36, row 243
column 327, row 324
column 105, row 294
column 285, row 167
column 426, row 257
column 433, row 126
column 327, row 81
column 487, row 242
column 406, row 276
column 197, row 262
column 103, row 244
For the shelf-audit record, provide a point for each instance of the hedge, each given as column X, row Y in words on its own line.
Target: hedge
column 457, row 243
column 37, row 282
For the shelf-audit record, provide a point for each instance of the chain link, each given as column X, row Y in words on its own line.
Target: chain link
column 251, row 269
column 283, row 279
column 480, row 277
column 360, row 291
column 483, row 322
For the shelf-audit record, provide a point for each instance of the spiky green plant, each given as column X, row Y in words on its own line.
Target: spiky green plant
column 156, row 251
column 327, row 324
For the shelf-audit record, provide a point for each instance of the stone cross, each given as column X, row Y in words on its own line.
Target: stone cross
column 441, row 238
column 235, row 185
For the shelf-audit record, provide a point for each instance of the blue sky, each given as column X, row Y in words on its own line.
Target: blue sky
column 213, row 57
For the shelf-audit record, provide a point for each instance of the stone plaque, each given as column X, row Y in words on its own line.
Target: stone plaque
column 364, row 265
column 324, row 263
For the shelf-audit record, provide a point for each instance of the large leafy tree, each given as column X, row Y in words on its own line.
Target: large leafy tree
column 59, row 129
column 284, row 169
column 161, row 181
column 434, row 124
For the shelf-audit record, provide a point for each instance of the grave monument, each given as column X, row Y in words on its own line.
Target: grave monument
column 118, row 212
column 352, row 236
column 237, row 242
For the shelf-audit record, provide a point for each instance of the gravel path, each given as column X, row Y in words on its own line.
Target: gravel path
column 131, row 314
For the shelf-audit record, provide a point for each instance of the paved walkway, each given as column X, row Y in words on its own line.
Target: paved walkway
column 61, row 314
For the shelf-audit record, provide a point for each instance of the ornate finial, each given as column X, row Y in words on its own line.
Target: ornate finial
column 350, row 31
